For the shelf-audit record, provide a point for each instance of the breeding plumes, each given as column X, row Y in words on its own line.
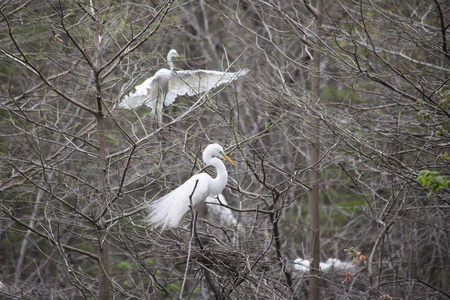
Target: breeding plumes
column 168, row 211
column 166, row 85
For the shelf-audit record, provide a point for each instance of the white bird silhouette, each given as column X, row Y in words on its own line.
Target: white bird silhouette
column 223, row 213
column 166, row 85
column 170, row 209
column 302, row 265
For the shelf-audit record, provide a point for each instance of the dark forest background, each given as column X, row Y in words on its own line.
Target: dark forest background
column 76, row 170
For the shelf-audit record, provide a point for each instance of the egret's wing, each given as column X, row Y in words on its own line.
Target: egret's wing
column 171, row 96
column 145, row 93
column 197, row 81
column 170, row 209
column 224, row 214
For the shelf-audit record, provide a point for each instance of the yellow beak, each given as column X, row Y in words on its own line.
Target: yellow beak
column 229, row 160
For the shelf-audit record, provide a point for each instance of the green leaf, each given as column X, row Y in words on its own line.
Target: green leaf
column 432, row 180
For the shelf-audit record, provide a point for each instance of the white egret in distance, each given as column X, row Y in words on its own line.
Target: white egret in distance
column 217, row 206
column 166, row 85
column 168, row 211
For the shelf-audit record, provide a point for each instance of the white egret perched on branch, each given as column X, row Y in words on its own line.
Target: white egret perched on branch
column 170, row 209
column 166, row 85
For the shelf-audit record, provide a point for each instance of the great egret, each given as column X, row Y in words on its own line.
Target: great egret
column 166, row 85
column 302, row 265
column 170, row 209
column 224, row 214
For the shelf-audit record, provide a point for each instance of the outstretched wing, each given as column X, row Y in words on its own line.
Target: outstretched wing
column 145, row 93
column 197, row 81
column 174, row 84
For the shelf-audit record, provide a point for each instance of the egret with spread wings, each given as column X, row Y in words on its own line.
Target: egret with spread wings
column 166, row 85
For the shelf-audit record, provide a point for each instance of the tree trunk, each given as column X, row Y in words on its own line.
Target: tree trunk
column 313, row 200
column 103, row 267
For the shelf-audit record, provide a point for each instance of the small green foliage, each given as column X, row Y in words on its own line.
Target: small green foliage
column 357, row 255
column 3, row 149
column 432, row 180
column 124, row 265
column 340, row 94
column 423, row 115
column 350, row 250
column 174, row 287
column 442, row 157
column 444, row 99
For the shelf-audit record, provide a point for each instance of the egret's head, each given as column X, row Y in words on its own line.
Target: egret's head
column 215, row 150
column 172, row 53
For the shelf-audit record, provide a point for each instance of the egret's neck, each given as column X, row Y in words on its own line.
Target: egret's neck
column 170, row 63
column 220, row 181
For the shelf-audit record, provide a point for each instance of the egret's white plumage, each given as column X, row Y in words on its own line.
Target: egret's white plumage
column 170, row 209
column 166, row 85
column 223, row 213
column 302, row 265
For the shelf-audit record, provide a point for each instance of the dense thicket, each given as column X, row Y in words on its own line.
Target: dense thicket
column 76, row 170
